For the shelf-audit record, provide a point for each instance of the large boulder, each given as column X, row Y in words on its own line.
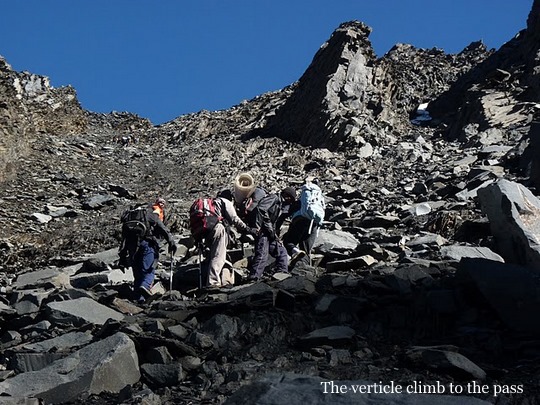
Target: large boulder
column 108, row 365
column 512, row 291
column 514, row 217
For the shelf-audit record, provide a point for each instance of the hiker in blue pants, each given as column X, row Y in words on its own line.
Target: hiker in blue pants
column 141, row 251
column 144, row 265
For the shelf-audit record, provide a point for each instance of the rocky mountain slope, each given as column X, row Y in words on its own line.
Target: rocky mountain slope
column 425, row 270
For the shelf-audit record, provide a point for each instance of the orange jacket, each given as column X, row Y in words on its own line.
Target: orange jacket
column 158, row 210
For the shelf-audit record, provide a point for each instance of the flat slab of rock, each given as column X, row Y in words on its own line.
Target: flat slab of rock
column 80, row 311
column 59, row 343
column 457, row 252
column 331, row 335
column 335, row 240
column 50, row 277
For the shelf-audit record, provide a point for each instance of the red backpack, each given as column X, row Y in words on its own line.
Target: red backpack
column 203, row 217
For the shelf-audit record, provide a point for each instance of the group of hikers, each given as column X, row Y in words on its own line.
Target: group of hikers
column 248, row 208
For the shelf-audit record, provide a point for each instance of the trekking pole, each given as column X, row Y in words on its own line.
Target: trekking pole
column 171, row 270
column 200, row 267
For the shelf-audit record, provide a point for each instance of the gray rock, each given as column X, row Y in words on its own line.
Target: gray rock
column 512, row 290
column 472, row 190
column 331, row 335
column 178, row 331
column 201, row 340
column 25, row 362
column 97, row 202
column 39, row 327
column 81, row 310
column 107, row 365
column 162, row 375
column 256, row 294
column 158, row 355
column 403, row 279
column 28, row 301
column 190, row 363
column 49, row 277
column 41, row 218
column 427, row 239
column 222, row 328
column 6, row 310
column 87, row 281
column 514, row 217
column 297, row 285
column 457, row 252
column 449, row 362
column 353, row 263
column 61, row 343
column 338, row 240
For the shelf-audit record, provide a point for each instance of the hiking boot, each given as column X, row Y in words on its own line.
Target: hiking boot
column 297, row 255
column 145, row 291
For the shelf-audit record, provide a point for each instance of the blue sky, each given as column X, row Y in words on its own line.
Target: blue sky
column 165, row 58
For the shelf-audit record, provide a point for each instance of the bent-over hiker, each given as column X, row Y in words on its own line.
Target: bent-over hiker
column 142, row 231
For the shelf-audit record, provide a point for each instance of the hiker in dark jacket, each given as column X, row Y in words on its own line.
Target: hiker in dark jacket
column 264, row 221
column 144, row 255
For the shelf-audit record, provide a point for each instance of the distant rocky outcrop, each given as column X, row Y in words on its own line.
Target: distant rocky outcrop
column 349, row 97
column 499, row 92
column 30, row 106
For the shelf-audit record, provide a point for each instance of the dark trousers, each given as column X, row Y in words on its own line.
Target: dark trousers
column 299, row 235
column 264, row 247
column 144, row 265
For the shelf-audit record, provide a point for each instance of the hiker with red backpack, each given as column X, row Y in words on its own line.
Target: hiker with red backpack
column 209, row 218
column 142, row 230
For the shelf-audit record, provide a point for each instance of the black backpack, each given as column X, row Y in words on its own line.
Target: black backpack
column 135, row 225
column 269, row 204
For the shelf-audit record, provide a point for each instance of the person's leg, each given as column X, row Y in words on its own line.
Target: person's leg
column 148, row 265
column 260, row 257
column 307, row 242
column 143, row 269
column 278, row 251
column 227, row 275
column 295, row 240
column 294, row 234
column 218, row 254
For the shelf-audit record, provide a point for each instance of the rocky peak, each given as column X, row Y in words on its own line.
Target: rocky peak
column 347, row 92
column 533, row 21
column 509, row 75
column 333, row 90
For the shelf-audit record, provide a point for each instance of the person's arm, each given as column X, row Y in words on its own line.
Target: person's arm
column 232, row 217
column 159, row 229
